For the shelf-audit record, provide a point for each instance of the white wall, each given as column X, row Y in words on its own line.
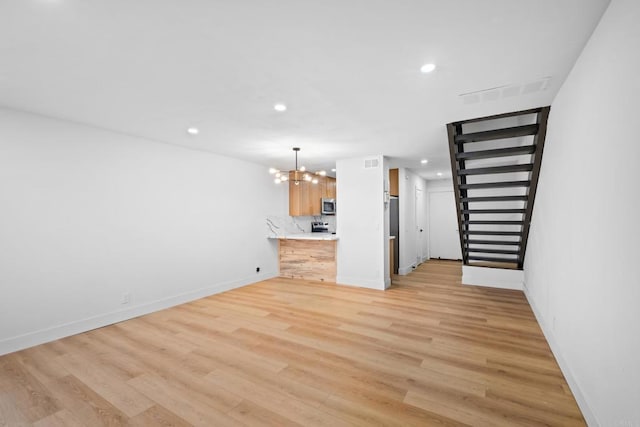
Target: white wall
column 88, row 215
column 445, row 184
column 363, row 243
column 386, row 219
column 409, row 241
column 581, row 273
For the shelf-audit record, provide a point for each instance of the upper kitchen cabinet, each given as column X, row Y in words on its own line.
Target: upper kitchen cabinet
column 305, row 198
column 394, row 189
column 329, row 188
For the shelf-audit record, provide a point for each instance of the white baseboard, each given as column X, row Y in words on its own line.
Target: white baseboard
column 588, row 414
column 361, row 283
column 493, row 277
column 42, row 336
column 403, row 271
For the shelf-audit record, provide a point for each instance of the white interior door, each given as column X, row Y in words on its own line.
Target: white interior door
column 421, row 249
column 444, row 240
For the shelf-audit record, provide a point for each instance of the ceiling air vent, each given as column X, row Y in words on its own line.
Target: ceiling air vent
column 508, row 91
column 370, row 163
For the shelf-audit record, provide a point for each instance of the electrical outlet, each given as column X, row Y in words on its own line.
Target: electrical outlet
column 126, row 298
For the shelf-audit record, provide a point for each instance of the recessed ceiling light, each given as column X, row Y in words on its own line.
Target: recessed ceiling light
column 280, row 107
column 439, row 174
column 427, row 68
column 193, row 131
column 333, row 170
column 424, row 161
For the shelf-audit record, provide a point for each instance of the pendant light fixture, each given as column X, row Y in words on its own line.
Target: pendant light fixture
column 297, row 175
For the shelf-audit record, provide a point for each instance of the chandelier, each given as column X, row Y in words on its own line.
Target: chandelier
column 297, row 175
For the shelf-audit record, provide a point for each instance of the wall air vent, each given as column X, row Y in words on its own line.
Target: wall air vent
column 370, row 163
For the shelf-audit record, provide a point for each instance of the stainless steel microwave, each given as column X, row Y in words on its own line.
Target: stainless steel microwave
column 328, row 206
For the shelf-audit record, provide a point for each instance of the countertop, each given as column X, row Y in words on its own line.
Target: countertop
column 306, row 236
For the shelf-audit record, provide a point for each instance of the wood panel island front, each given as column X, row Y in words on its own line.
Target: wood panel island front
column 309, row 256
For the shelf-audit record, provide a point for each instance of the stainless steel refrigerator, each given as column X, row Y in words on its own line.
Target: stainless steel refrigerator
column 394, row 230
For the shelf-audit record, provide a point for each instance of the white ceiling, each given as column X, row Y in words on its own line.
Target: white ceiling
column 348, row 70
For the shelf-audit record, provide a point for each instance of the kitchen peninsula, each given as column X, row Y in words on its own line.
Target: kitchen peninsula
column 310, row 256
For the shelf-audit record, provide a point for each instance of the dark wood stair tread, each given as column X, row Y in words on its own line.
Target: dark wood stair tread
column 492, row 242
column 491, row 222
column 488, row 135
column 503, row 184
column 490, row 258
column 491, row 233
column 493, row 251
column 526, row 167
column 493, row 199
column 499, row 152
column 492, row 211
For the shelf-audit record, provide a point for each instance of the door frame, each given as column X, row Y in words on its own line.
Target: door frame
column 429, row 213
column 419, row 255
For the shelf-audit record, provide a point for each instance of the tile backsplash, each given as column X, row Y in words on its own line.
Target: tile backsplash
column 281, row 225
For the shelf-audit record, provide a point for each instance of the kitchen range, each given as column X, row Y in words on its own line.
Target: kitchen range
column 319, row 227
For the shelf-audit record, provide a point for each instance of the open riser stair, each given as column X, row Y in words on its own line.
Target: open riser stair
column 495, row 162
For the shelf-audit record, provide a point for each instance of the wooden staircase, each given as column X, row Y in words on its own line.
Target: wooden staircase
column 495, row 162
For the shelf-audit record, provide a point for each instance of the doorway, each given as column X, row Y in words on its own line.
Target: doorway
column 421, row 240
column 394, row 230
column 444, row 239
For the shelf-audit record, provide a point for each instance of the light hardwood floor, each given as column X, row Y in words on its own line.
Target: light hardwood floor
column 288, row 352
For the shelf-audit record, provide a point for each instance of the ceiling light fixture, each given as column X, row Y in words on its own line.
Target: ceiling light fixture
column 193, row 131
column 439, row 174
column 333, row 170
column 427, row 68
column 297, row 175
column 424, row 161
column 280, row 107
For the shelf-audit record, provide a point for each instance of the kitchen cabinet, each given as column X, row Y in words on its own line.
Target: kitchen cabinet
column 394, row 188
column 305, row 198
column 308, row 256
column 316, row 192
column 308, row 259
column 329, row 189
